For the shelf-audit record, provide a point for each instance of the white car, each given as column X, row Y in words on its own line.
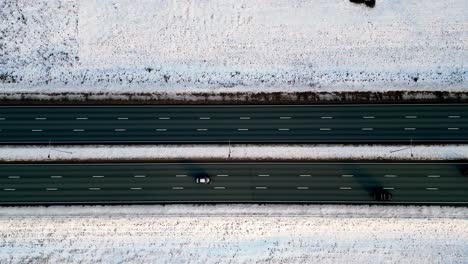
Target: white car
column 203, row 180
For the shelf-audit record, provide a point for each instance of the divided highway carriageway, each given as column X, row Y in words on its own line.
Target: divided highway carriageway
column 238, row 124
column 414, row 183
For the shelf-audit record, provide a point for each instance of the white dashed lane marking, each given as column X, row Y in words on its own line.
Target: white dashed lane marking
column 261, row 188
column 51, row 189
column 433, row 176
column 164, row 118
column 94, row 189
column 177, row 188
column 139, row 176
column 219, row 188
column 432, row 189
column 345, row 188
column 136, row 188
column 14, row 177
column 205, row 118
column 302, row 188
column 453, row 128
column 244, row 117
column 120, row 130
column 40, row 118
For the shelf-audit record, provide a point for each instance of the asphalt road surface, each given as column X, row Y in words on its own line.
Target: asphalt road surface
column 238, row 124
column 428, row 183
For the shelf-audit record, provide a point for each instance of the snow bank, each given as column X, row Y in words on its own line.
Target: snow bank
column 234, row 234
column 180, row 46
column 235, row 152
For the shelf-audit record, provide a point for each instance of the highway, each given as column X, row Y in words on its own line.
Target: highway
column 237, row 124
column 409, row 183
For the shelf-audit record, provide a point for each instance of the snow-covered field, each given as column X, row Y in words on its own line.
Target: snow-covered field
column 158, row 46
column 234, row 234
column 235, row 152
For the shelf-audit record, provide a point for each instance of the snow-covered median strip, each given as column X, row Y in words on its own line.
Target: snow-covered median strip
column 234, row 152
column 234, row 234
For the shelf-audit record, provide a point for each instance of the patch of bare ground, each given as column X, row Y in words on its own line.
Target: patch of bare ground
column 236, row 98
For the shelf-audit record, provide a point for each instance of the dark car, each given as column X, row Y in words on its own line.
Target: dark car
column 382, row 196
column 203, row 180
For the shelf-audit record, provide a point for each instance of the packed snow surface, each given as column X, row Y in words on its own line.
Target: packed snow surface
column 234, row 234
column 233, row 152
column 232, row 45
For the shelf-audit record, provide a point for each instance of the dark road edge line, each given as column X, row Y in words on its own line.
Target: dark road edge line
column 200, row 202
column 247, row 163
column 319, row 142
column 232, row 106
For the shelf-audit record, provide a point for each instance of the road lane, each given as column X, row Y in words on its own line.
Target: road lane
column 238, row 124
column 430, row 183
